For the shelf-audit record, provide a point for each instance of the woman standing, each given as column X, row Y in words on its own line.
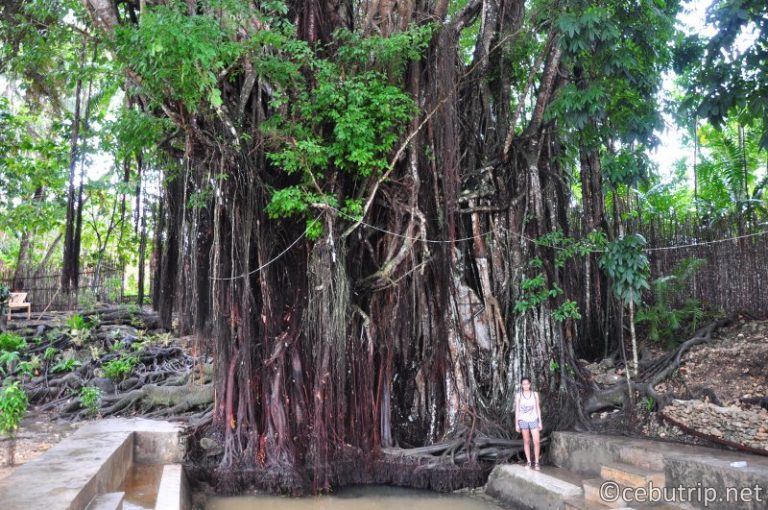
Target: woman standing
column 528, row 419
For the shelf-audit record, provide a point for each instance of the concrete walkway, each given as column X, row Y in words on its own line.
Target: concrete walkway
column 91, row 462
column 595, row 472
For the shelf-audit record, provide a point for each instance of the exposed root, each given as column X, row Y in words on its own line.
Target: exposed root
column 651, row 374
column 172, row 399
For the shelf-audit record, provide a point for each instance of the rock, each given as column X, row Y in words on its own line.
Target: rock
column 211, row 447
column 606, row 364
column 207, row 443
column 608, row 379
column 104, row 384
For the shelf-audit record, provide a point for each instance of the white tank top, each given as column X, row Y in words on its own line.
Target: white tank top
column 527, row 407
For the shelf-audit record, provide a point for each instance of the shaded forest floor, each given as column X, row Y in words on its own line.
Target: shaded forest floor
column 718, row 396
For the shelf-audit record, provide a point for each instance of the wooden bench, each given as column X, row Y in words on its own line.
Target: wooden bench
column 16, row 301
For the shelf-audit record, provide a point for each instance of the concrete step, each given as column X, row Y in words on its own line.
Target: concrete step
column 632, row 476
column 581, row 503
column 517, row 486
column 597, row 493
column 642, row 457
column 173, row 492
column 108, row 501
column 598, row 496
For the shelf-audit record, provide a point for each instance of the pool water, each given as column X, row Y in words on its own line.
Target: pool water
column 140, row 486
column 357, row 498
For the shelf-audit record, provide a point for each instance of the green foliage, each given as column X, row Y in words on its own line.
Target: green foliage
column 533, row 292
column 650, row 404
column 568, row 310
column 77, row 322
column 627, row 267
column 10, row 341
column 13, row 405
column 65, row 365
column 119, row 368
column 50, row 353
column 616, row 52
column 348, row 120
column 725, row 77
column 665, row 322
column 567, row 248
column 178, row 56
column 80, row 329
column 627, row 166
column 90, row 398
column 554, row 366
column 728, row 172
column 8, row 359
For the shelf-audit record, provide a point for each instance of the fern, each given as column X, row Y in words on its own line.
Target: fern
column 665, row 323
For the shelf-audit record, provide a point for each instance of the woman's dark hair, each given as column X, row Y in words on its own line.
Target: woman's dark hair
column 525, row 378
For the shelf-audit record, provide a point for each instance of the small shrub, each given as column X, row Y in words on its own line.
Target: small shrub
column 79, row 329
column 50, row 353
column 13, row 405
column 53, row 334
column 667, row 323
column 65, row 365
column 119, row 368
column 95, row 351
column 77, row 322
column 90, row 398
column 8, row 360
column 11, row 342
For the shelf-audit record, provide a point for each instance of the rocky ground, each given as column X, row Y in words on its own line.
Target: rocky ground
column 718, row 396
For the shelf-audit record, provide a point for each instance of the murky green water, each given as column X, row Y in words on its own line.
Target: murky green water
column 357, row 498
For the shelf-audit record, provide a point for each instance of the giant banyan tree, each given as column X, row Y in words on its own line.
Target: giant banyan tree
column 368, row 218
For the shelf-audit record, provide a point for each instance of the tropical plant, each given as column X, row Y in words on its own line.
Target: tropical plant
column 65, row 365
column 50, row 353
column 665, row 320
column 90, row 397
column 12, row 342
column 8, row 359
column 13, row 406
column 119, row 368
column 627, row 267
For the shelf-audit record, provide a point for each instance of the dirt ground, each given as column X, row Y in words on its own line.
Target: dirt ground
column 733, row 367
column 38, row 433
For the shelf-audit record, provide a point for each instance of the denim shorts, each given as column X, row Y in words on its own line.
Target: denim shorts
column 530, row 425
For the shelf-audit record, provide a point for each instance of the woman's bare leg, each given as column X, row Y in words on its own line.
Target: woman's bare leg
column 527, row 444
column 536, row 444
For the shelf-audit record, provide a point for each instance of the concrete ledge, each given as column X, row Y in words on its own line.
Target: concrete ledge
column 93, row 461
column 108, row 501
column 173, row 493
column 156, row 442
column 71, row 474
column 519, row 487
